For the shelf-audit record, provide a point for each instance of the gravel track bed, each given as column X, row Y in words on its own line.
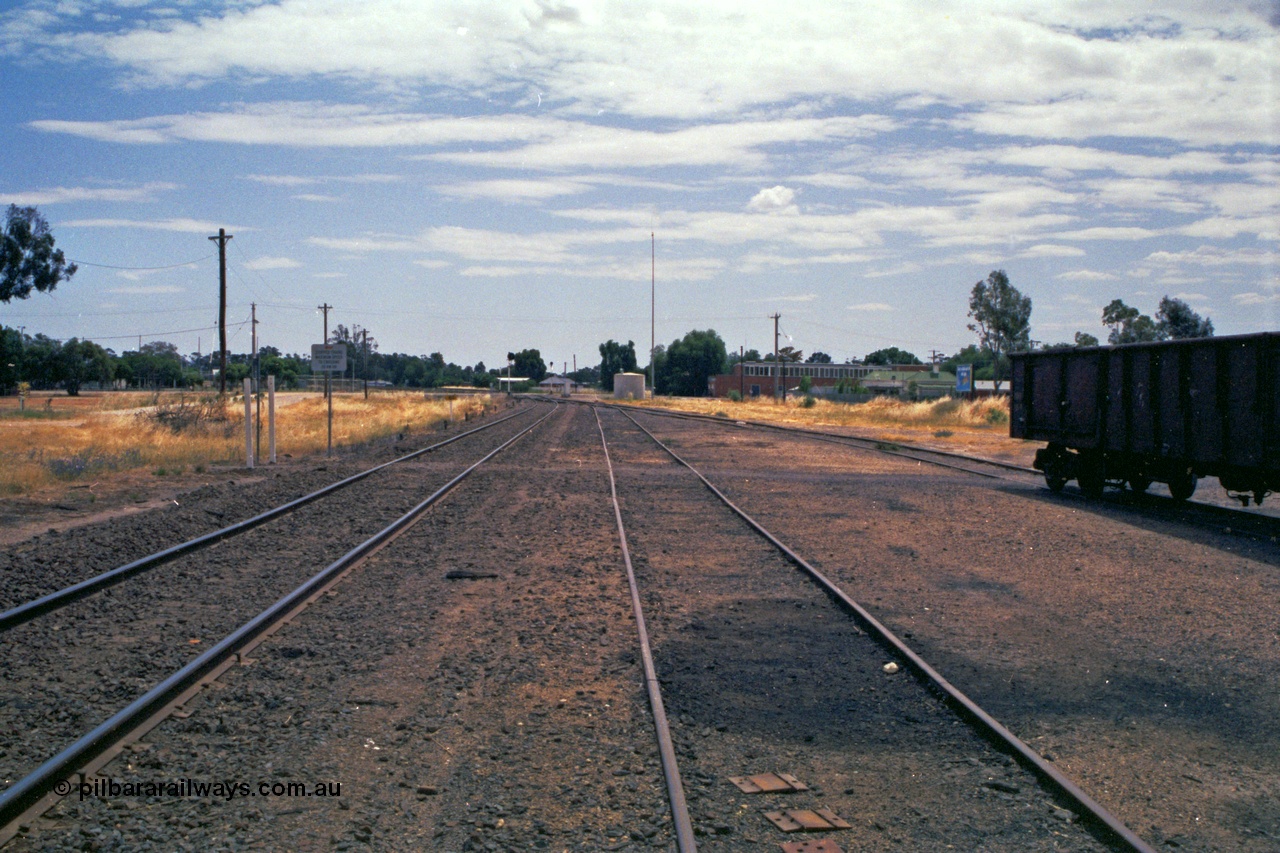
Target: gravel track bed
column 68, row 671
column 763, row 673
column 1140, row 653
column 501, row 712
column 57, row 559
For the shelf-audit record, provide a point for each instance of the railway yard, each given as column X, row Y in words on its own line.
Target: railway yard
column 476, row 681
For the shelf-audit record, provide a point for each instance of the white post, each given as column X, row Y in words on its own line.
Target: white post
column 248, row 422
column 271, row 419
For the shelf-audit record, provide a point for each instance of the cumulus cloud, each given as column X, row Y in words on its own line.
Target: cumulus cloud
column 778, row 199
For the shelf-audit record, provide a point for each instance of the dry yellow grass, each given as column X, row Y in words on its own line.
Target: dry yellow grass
column 986, row 413
column 978, row 426
column 80, row 438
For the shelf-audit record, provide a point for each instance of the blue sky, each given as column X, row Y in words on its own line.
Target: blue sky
column 477, row 177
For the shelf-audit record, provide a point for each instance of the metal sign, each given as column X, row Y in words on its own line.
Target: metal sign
column 328, row 358
column 964, row 378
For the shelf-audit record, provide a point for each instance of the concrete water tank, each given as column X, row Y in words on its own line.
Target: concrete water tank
column 628, row 386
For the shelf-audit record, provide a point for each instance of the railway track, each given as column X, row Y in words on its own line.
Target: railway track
column 1211, row 507
column 52, row 601
column 196, row 620
column 476, row 685
column 715, row 584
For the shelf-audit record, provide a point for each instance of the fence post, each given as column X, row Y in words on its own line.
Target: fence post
column 271, row 419
column 248, row 422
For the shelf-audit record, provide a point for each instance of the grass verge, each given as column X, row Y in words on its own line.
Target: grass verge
column 173, row 433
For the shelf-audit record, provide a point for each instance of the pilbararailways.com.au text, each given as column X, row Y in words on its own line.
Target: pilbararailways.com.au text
column 228, row 789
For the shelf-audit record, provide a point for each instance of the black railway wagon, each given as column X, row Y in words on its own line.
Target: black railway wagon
column 1140, row 413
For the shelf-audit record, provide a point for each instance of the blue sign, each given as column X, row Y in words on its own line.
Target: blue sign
column 964, row 378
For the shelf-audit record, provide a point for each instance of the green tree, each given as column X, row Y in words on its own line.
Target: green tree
column 28, row 259
column 689, row 362
column 1001, row 318
column 1128, row 325
column 818, row 358
column 790, row 355
column 1178, row 321
column 1084, row 339
column 891, row 355
column 529, row 364
column 80, row 362
column 748, row 355
column 615, row 358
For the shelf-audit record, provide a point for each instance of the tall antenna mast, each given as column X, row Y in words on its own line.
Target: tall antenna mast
column 653, row 346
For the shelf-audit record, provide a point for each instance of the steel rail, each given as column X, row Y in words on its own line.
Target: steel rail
column 30, row 791
column 858, row 441
column 61, row 598
column 854, row 441
column 1237, row 513
column 1095, row 815
column 670, row 768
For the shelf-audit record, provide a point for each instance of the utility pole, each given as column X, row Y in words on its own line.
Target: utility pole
column 742, row 372
column 328, row 377
column 221, row 240
column 777, row 360
column 653, row 288
column 365, row 364
column 934, row 355
column 257, row 380
column 325, row 340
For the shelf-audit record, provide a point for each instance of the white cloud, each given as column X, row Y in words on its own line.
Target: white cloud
column 1255, row 298
column 1048, row 73
column 1048, row 250
column 778, row 199
column 180, row 225
column 58, row 195
column 268, row 263
column 871, row 306
column 514, row 189
column 149, row 290
column 1086, row 275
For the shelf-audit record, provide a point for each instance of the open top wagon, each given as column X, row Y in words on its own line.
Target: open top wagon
column 1168, row 412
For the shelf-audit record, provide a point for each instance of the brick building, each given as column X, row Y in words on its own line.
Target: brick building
column 760, row 378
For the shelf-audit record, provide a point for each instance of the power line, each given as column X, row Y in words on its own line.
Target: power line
column 161, row 334
column 113, row 267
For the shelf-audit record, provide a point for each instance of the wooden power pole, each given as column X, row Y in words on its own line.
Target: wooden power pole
column 221, row 240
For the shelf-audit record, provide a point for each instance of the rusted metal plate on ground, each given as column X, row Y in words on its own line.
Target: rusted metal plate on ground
column 822, row 845
column 768, row 783
column 806, row 820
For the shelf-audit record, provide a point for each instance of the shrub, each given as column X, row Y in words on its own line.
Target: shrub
column 735, row 397
column 807, row 402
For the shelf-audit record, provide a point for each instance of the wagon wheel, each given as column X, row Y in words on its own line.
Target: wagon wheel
column 1055, row 482
column 1089, row 475
column 1182, row 484
column 1140, row 483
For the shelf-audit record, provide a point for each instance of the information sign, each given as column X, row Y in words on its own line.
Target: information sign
column 328, row 358
column 964, row 378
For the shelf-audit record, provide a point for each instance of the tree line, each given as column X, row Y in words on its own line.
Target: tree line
column 43, row 363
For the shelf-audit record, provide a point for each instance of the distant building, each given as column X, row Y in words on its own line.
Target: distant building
column 987, row 388
column 911, row 384
column 559, row 384
column 760, row 378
